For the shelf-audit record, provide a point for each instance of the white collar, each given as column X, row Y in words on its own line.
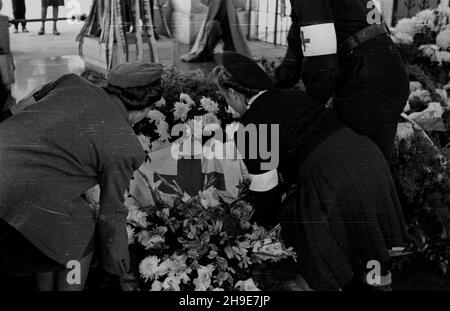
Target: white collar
column 252, row 100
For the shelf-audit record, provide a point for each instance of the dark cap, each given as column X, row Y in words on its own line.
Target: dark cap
column 136, row 74
column 245, row 71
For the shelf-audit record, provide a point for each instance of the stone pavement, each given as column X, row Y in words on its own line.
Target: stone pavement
column 39, row 59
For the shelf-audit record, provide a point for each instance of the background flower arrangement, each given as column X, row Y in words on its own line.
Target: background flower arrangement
column 425, row 42
column 188, row 95
column 200, row 243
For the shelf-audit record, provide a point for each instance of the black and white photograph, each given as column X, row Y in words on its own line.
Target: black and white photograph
column 231, row 146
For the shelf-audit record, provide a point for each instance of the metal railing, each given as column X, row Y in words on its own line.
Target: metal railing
column 271, row 20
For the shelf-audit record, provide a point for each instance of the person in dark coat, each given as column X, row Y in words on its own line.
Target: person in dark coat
column 342, row 210
column 19, row 10
column 55, row 4
column 75, row 136
column 221, row 23
column 342, row 49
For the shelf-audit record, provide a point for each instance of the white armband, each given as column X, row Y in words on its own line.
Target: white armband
column 264, row 182
column 319, row 39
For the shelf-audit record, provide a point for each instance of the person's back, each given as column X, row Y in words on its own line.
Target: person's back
column 52, row 153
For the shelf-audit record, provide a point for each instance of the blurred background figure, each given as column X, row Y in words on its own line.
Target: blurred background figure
column 19, row 10
column 221, row 23
column 55, row 4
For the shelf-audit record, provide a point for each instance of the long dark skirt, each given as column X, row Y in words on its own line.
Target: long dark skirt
column 344, row 212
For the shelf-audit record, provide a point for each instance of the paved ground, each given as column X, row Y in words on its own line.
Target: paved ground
column 39, row 59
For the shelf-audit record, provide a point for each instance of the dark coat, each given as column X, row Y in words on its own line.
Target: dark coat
column 343, row 210
column 72, row 139
column 239, row 41
column 370, row 85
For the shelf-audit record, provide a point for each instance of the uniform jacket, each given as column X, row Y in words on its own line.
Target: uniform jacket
column 72, row 139
column 240, row 43
column 320, row 73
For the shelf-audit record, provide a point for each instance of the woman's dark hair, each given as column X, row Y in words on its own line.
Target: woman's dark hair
column 137, row 98
column 226, row 80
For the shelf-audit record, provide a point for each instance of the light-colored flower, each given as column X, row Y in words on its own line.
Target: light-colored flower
column 149, row 239
column 429, row 50
column 186, row 197
column 405, row 131
column 156, row 286
column 203, row 281
column 247, row 286
column 180, row 111
column 156, row 115
column 422, row 95
column 185, row 98
column 403, row 38
column 443, row 56
column 130, row 233
column 407, row 26
column 137, row 217
column 209, row 105
column 163, row 130
column 414, row 86
column 425, row 18
column 443, row 39
column 148, row 268
column 172, row 283
column 209, row 198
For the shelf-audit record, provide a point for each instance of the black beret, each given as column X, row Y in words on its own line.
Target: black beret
column 245, row 71
column 136, row 74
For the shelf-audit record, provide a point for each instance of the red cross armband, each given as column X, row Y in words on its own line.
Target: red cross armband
column 318, row 39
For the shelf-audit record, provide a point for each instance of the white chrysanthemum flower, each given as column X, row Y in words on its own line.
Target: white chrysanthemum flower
column 137, row 217
column 163, row 130
column 405, row 131
column 209, row 105
column 247, row 286
column 180, row 111
column 130, row 233
column 156, row 115
column 148, row 268
column 209, row 198
column 403, row 38
column 443, row 39
column 414, row 86
column 407, row 26
column 185, row 98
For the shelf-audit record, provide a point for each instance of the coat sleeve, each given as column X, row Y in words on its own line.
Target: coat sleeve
column 112, row 220
column 289, row 72
column 320, row 70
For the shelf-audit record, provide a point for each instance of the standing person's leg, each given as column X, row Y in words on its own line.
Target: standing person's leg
column 23, row 10
column 55, row 17
column 43, row 16
column 15, row 5
column 227, row 37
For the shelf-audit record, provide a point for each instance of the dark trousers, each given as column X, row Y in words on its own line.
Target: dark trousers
column 19, row 10
column 215, row 32
column 373, row 91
